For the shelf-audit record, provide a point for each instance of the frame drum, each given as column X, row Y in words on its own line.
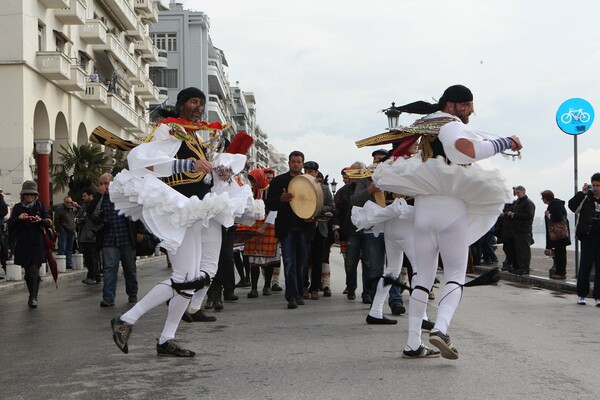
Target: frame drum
column 308, row 196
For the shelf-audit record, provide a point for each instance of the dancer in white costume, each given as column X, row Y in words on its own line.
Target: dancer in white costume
column 178, row 208
column 455, row 203
column 397, row 223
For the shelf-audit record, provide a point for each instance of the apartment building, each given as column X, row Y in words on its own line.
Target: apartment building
column 67, row 66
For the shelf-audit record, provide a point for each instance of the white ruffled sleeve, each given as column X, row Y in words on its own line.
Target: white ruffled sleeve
column 159, row 153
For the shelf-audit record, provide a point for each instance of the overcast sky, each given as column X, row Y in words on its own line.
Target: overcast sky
column 320, row 71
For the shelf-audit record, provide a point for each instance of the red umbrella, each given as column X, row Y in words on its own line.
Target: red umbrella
column 48, row 244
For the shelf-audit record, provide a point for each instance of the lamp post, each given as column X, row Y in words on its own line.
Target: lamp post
column 393, row 114
column 333, row 185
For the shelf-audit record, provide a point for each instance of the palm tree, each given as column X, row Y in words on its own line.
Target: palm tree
column 79, row 168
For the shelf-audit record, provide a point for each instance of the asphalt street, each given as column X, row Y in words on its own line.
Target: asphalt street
column 515, row 341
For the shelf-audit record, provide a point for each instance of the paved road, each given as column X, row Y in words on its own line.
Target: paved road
column 515, row 341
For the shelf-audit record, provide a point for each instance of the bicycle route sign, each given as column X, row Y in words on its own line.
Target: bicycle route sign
column 575, row 116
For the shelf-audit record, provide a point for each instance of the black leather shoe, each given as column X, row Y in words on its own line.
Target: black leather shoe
column 132, row 299
column 292, row 304
column 198, row 316
column 107, row 303
column 380, row 321
column 121, row 332
column 253, row 294
column 276, row 288
column 230, row 297
column 398, row 309
column 326, row 292
column 351, row 295
column 218, row 305
column 172, row 348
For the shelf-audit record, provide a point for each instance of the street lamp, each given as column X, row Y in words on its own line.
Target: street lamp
column 333, row 185
column 393, row 114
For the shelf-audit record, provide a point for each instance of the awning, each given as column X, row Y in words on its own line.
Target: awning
column 87, row 55
column 63, row 36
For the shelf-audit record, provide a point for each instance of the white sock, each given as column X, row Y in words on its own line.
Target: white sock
column 158, row 295
column 196, row 303
column 376, row 310
column 177, row 307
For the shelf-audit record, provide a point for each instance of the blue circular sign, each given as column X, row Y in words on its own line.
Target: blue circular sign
column 575, row 116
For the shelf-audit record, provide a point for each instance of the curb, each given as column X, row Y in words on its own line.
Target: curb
column 567, row 286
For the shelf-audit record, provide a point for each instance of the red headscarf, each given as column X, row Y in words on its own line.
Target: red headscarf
column 261, row 181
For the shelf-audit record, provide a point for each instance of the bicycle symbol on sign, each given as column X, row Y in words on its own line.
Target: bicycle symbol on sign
column 577, row 115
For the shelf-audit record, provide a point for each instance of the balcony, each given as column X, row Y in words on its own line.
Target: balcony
column 139, row 33
column 54, row 65
column 123, row 12
column 152, row 16
column 140, row 128
column 56, row 3
column 93, row 32
column 120, row 53
column 143, row 6
column 144, row 46
column 216, row 79
column 139, row 78
column 118, row 111
column 72, row 15
column 163, row 94
column 77, row 80
column 147, row 91
column 214, row 108
column 95, row 94
column 162, row 61
column 152, row 56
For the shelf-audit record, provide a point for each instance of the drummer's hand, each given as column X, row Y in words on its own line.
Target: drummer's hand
column 373, row 188
column 286, row 197
column 202, row 166
column 309, row 220
column 516, row 143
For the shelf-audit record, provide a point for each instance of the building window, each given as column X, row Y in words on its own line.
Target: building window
column 165, row 41
column 41, row 42
column 164, row 77
column 61, row 43
column 171, row 78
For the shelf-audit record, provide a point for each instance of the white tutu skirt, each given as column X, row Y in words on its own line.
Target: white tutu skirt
column 167, row 213
column 372, row 216
column 484, row 192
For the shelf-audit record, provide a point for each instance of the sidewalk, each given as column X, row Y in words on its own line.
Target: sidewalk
column 540, row 264
column 70, row 275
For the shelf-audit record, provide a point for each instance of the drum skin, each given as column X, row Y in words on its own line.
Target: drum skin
column 308, row 196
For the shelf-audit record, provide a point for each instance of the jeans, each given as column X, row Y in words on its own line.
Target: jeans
column 371, row 251
column 294, row 251
column 112, row 255
column 65, row 245
column 590, row 255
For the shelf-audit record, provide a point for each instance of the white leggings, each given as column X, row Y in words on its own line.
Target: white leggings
column 199, row 252
column 440, row 226
column 398, row 237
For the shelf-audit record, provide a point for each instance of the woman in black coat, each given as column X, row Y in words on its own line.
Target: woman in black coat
column 26, row 223
column 556, row 212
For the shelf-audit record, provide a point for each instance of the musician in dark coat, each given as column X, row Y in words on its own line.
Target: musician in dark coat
column 292, row 231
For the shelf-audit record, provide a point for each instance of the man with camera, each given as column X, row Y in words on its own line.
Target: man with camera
column 64, row 222
column 86, row 237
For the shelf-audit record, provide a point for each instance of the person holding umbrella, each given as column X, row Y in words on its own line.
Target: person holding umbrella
column 27, row 223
